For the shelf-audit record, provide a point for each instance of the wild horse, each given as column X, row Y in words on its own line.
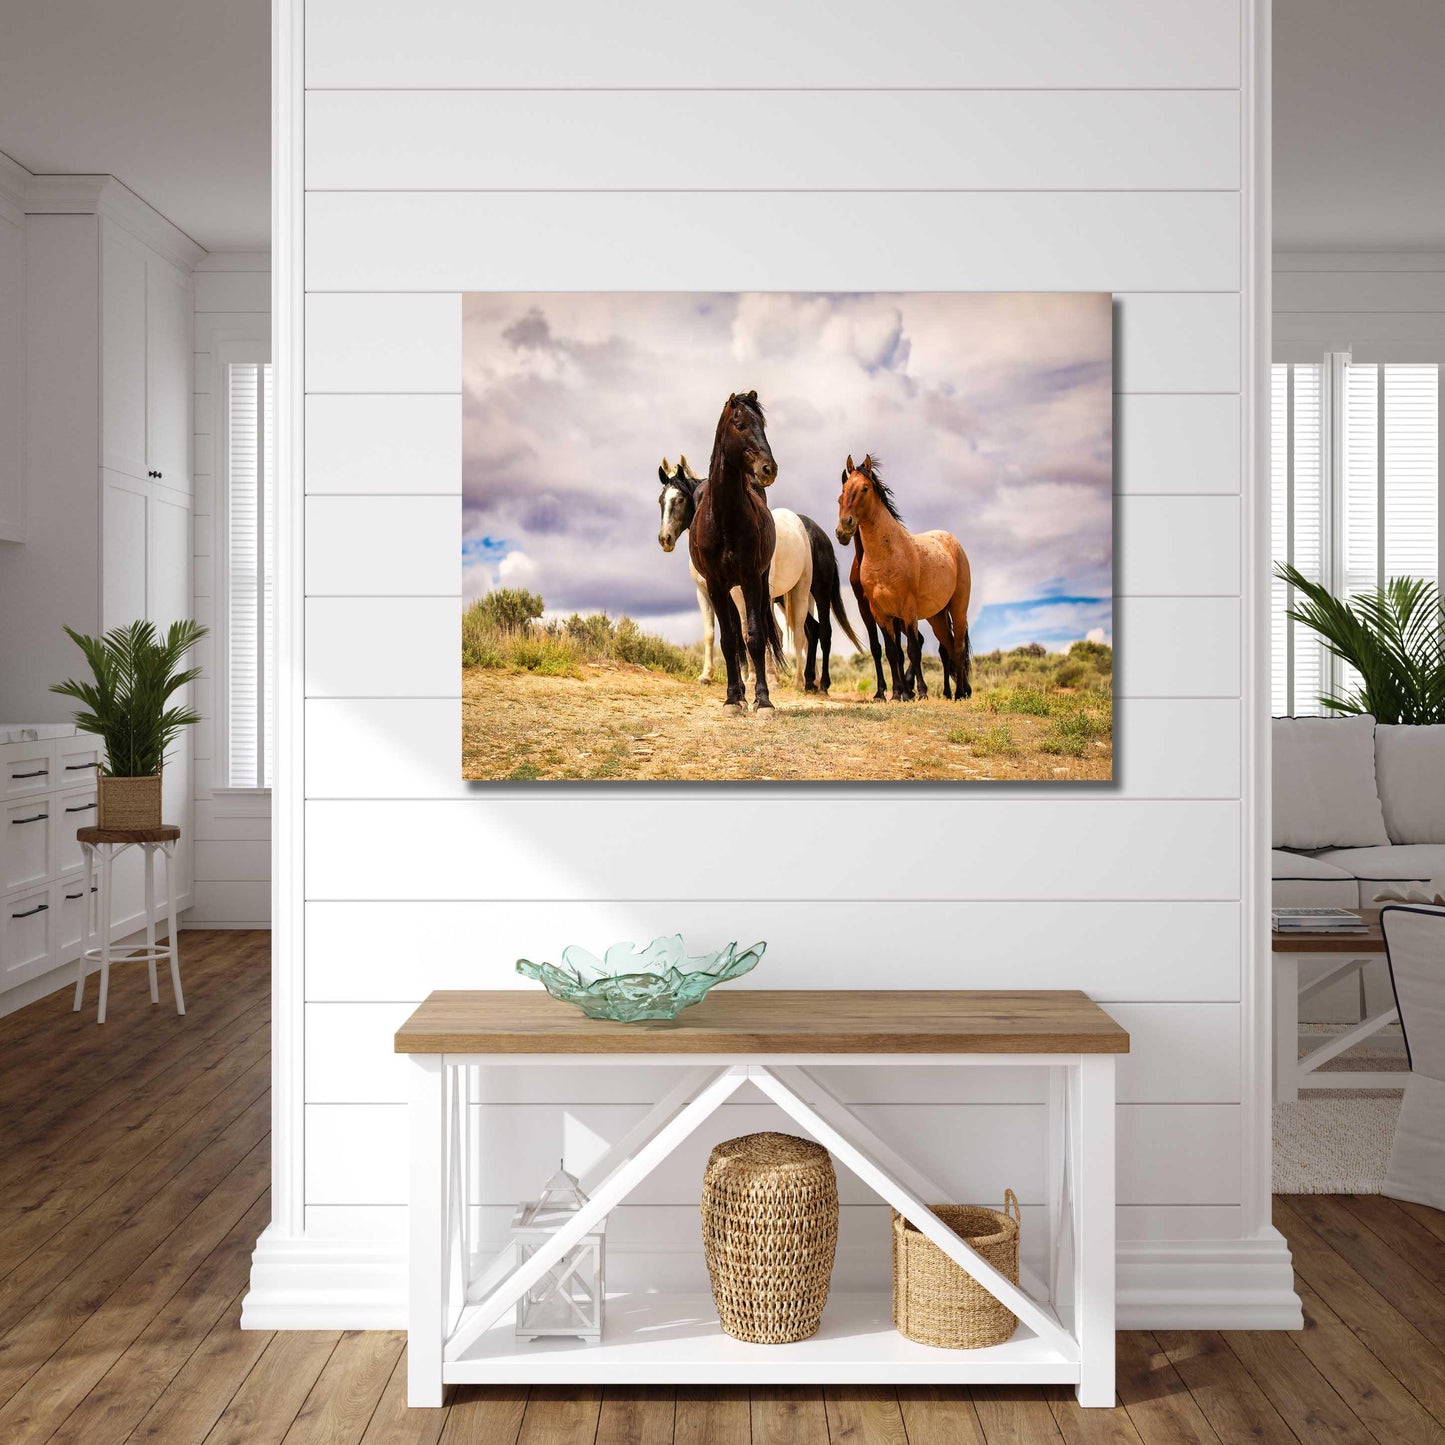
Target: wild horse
column 905, row 578
column 731, row 543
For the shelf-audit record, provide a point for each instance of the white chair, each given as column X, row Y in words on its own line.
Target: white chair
column 1415, row 947
column 104, row 845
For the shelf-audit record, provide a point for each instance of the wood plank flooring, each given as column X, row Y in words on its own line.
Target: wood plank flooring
column 133, row 1182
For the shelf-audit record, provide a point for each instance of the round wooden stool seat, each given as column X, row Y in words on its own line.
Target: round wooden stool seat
column 166, row 833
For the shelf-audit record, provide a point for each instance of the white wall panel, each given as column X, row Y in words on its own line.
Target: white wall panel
column 818, row 140
column 1356, row 291
column 1177, row 647
column 384, row 444
column 566, row 43
column 1177, row 546
column 352, row 546
column 1176, row 444
column 550, row 847
column 659, row 240
column 233, row 291
column 1172, row 951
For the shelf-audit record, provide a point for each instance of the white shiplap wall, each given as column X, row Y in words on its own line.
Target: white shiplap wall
column 233, row 830
column 449, row 147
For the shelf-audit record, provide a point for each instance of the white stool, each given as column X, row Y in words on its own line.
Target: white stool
column 106, row 845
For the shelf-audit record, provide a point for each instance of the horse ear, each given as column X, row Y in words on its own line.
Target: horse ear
column 732, row 397
column 848, row 466
column 752, row 396
column 663, row 475
column 683, row 470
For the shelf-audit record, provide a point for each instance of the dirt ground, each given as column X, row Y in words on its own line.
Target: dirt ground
column 629, row 723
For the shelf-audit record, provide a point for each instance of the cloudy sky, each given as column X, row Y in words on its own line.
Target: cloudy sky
column 992, row 414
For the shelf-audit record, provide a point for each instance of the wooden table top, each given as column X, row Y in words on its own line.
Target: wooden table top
column 1372, row 941
column 772, row 1021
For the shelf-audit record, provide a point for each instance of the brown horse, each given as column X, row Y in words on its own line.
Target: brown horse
column 905, row 578
column 731, row 543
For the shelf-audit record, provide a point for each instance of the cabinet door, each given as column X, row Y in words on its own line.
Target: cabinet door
column 168, row 374
column 25, row 845
column 123, row 351
column 27, row 936
column 124, row 542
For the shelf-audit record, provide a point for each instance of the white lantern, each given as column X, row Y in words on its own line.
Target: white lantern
column 567, row 1300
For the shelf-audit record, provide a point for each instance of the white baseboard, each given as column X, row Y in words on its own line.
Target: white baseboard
column 1248, row 1284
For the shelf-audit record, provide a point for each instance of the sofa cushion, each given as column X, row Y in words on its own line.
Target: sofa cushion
column 1397, row 863
column 1410, row 771
column 1302, row 881
column 1324, row 783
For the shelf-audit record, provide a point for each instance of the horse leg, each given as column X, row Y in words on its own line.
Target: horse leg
column 962, row 646
column 875, row 646
column 730, row 628
column 902, row 683
column 810, row 675
column 942, row 626
column 825, row 646
column 709, row 624
column 915, row 660
column 798, row 601
column 758, row 602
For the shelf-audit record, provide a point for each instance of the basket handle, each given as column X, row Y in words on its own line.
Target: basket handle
column 1010, row 1198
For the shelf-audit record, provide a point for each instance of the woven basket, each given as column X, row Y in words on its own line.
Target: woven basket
column 937, row 1303
column 769, row 1231
column 128, row 802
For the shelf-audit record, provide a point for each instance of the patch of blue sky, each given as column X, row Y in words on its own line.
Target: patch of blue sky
column 1055, row 622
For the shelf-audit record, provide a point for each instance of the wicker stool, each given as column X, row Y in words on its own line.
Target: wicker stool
column 769, row 1231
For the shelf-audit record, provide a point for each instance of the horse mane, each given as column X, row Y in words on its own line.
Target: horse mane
column 869, row 469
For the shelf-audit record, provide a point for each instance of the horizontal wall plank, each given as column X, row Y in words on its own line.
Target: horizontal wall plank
column 1168, row 545
column 1177, row 546
column 546, row 846
column 1176, row 444
column 1178, row 1053
column 926, row 241
column 398, row 343
column 352, row 546
column 233, row 291
column 1407, row 291
column 384, row 444
column 1168, row 1153
column 206, row 323
column 1342, row 330
column 231, row 901
column 410, row 647
column 238, row 860
column 212, row 820
column 1163, row 748
column 1358, row 261
column 1177, row 647
column 1028, row 43
column 818, row 140
column 398, row 952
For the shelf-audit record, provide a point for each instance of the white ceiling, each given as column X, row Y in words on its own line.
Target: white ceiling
column 1359, row 124
column 172, row 97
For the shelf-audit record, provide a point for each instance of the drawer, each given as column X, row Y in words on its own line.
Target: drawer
column 25, row 842
column 67, row 903
column 68, row 812
column 76, row 761
column 27, row 931
column 29, row 768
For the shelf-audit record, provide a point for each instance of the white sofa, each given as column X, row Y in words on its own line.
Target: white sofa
column 1357, row 807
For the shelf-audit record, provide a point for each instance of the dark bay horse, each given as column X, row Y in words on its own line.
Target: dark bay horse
column 731, row 542
column 907, row 577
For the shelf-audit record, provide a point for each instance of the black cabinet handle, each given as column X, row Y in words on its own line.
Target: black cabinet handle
column 34, row 818
column 39, row 908
column 38, row 773
column 75, row 767
column 81, row 808
column 73, row 896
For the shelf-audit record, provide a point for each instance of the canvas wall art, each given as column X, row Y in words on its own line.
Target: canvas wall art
column 774, row 536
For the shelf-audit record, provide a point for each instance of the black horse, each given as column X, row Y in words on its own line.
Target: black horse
column 827, row 598
column 731, row 542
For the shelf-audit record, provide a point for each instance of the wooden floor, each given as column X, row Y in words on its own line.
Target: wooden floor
column 133, row 1183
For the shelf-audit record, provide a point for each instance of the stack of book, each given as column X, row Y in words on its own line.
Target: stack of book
column 1318, row 920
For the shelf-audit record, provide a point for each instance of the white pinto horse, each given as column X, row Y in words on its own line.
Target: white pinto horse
column 790, row 577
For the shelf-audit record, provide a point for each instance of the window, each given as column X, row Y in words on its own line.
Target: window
column 1354, row 497
column 250, row 513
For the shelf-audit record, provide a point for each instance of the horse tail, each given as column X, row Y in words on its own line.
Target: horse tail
column 839, row 615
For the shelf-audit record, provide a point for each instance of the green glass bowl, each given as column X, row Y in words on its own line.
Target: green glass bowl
column 629, row 984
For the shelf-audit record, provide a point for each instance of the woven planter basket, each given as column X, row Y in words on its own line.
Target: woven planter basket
column 128, row 802
column 937, row 1303
column 769, row 1231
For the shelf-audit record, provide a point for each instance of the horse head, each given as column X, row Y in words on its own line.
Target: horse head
column 677, row 502
column 741, row 440
column 863, row 491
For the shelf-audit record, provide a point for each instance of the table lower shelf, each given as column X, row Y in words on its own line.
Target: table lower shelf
column 676, row 1339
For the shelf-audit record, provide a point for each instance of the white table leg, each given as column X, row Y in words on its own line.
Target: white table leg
column 427, row 1227
column 87, row 928
column 1054, row 1192
column 1286, row 1028
column 107, row 860
column 172, row 937
column 150, row 855
column 1092, row 1187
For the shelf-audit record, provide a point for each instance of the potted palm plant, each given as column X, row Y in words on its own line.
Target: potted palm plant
column 136, row 672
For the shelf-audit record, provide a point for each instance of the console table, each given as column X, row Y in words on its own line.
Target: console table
column 460, row 1308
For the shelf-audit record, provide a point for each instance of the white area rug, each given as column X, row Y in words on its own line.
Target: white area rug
column 1334, row 1141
